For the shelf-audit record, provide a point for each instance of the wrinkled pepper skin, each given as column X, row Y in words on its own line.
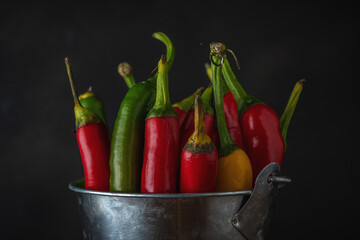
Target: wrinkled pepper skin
column 232, row 119
column 198, row 172
column 160, row 167
column 95, row 155
column 263, row 141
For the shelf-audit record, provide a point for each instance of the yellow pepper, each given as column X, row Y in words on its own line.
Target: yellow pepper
column 234, row 166
column 234, row 172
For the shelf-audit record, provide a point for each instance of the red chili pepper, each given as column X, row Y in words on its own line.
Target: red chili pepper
column 160, row 165
column 232, row 119
column 262, row 136
column 94, row 143
column 199, row 158
column 215, row 138
column 263, row 141
column 231, row 112
column 184, row 105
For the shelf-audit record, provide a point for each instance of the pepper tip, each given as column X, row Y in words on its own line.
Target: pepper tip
column 302, row 81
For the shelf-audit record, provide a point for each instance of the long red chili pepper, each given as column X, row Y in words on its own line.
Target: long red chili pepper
column 231, row 112
column 160, row 165
column 94, row 143
column 184, row 105
column 199, row 158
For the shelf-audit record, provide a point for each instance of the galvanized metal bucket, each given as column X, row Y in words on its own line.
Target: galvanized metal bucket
column 227, row 215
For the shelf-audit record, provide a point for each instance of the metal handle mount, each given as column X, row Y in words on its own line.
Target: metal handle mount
column 253, row 219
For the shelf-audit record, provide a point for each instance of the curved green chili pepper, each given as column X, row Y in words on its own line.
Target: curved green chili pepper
column 92, row 102
column 127, row 141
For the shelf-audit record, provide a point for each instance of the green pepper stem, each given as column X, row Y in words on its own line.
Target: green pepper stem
column 199, row 141
column 170, row 53
column 125, row 71
column 72, row 84
column 290, row 108
column 227, row 145
column 162, row 85
column 209, row 73
column 199, row 123
column 232, row 82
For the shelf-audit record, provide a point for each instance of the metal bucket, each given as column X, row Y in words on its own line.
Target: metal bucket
column 226, row 215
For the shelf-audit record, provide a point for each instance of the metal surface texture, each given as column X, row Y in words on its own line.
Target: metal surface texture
column 106, row 215
column 254, row 218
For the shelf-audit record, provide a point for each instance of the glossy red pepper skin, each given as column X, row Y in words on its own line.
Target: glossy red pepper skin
column 198, row 172
column 95, row 155
column 93, row 140
column 160, row 167
column 263, row 141
column 232, row 119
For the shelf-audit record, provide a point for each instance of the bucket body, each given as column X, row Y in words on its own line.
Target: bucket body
column 227, row 215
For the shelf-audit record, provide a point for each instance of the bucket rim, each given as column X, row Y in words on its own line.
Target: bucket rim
column 78, row 187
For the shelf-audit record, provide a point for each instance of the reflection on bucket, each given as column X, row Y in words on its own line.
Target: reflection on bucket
column 227, row 215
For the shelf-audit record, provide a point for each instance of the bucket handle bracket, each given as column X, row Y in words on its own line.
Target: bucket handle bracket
column 254, row 218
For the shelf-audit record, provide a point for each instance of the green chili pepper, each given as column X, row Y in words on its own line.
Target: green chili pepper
column 125, row 71
column 90, row 101
column 127, row 141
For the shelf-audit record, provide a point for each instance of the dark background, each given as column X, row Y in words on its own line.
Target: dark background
column 276, row 45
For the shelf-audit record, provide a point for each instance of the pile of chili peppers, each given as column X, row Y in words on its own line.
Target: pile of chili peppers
column 217, row 139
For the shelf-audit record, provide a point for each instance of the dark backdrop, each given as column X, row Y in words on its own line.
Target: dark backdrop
column 276, row 45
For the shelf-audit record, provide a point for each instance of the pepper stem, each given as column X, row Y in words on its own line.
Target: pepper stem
column 290, row 108
column 125, row 71
column 170, row 53
column 235, row 86
column 209, row 73
column 72, row 84
column 227, row 145
column 162, row 85
column 199, row 117
column 83, row 116
column 199, row 136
